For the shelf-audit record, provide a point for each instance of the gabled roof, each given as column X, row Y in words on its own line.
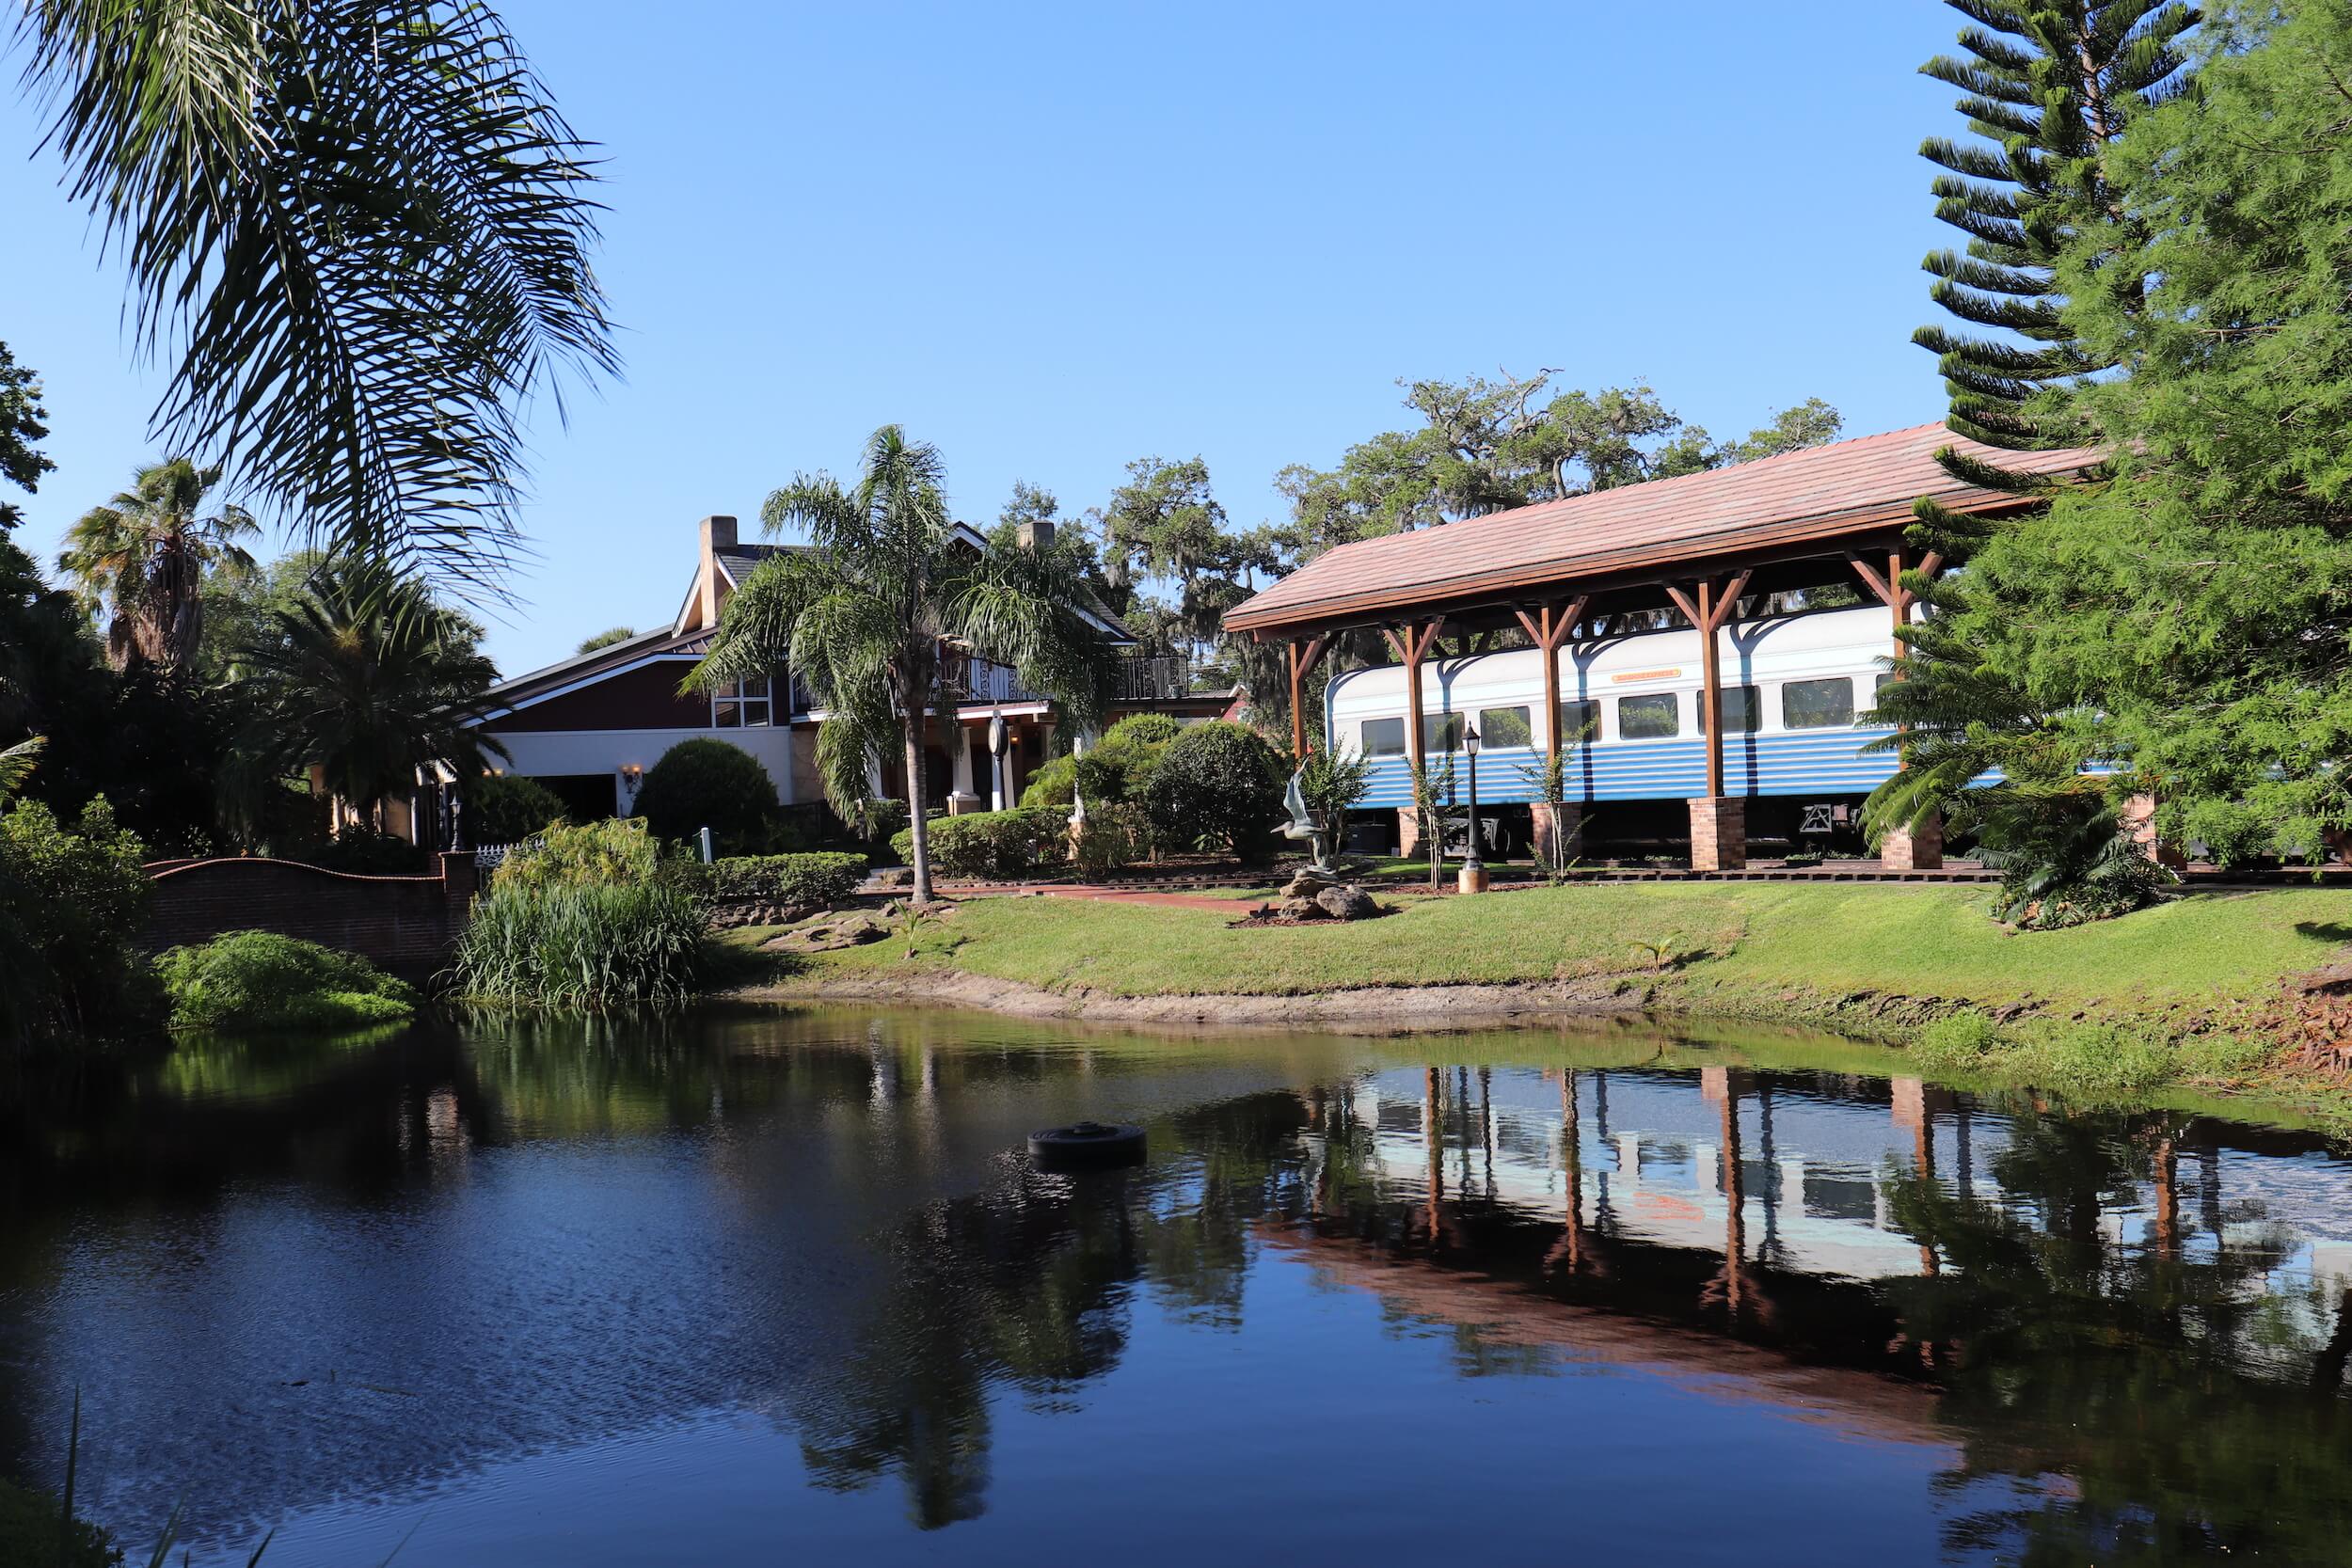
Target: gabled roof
column 737, row 561
column 1818, row 495
column 538, row 685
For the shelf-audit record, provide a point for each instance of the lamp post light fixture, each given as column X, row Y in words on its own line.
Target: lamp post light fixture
column 997, row 739
column 1473, row 873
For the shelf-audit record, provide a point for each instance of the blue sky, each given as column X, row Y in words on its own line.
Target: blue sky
column 1052, row 239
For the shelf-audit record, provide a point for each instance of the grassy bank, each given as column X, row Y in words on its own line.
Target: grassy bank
column 2175, row 993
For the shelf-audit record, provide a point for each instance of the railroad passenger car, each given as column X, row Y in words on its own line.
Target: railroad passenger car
column 1798, row 694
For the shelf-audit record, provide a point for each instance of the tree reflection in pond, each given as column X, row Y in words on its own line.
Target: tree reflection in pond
column 2125, row 1333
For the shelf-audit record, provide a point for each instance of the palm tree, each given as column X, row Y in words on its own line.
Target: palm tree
column 143, row 558
column 860, row 617
column 366, row 677
column 357, row 229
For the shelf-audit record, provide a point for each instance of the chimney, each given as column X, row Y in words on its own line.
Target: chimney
column 718, row 534
column 1035, row 534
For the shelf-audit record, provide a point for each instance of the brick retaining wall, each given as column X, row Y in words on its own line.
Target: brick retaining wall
column 402, row 923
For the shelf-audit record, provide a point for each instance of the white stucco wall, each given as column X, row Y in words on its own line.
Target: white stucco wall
column 551, row 752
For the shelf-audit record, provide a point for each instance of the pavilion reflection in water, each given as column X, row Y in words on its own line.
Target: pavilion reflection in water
column 1801, row 1173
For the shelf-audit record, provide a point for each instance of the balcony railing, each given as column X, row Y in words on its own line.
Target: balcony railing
column 1143, row 678
column 1149, row 678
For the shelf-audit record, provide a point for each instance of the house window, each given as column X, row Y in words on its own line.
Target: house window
column 747, row 704
column 1505, row 726
column 1655, row 717
column 1823, row 705
column 1384, row 737
column 1439, row 733
column 1579, row 720
column 1743, row 713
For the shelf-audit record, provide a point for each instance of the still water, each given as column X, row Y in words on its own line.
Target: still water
column 781, row 1287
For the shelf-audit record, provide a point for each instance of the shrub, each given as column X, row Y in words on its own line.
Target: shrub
column 70, row 902
column 710, row 784
column 611, row 853
column 261, row 980
column 1218, row 783
column 1332, row 784
column 29, row 1530
column 993, row 843
column 583, row 946
column 508, row 810
column 818, row 878
column 1052, row 783
column 1119, row 767
column 1956, row 1042
column 1114, row 834
column 361, row 852
column 884, row 820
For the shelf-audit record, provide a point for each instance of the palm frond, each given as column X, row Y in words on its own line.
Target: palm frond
column 17, row 763
column 358, row 229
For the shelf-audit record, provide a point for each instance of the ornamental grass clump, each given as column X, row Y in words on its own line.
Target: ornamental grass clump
column 262, row 980
column 595, row 917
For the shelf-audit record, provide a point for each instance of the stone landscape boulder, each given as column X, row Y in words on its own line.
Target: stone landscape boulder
column 1347, row 902
column 825, row 936
column 1309, row 883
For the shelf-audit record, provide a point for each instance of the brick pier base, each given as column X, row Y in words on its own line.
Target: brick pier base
column 1408, row 832
column 1719, row 833
column 1914, row 849
column 1548, row 826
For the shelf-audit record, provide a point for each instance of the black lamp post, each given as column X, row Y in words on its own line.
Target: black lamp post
column 1473, row 860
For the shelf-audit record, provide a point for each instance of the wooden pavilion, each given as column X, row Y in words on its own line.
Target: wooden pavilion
column 1704, row 544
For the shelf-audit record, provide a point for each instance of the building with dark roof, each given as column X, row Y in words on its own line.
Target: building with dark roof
column 590, row 726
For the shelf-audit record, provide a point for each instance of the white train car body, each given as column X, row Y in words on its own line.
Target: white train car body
column 1798, row 693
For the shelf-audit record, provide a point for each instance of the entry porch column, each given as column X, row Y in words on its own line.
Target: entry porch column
column 1719, row 822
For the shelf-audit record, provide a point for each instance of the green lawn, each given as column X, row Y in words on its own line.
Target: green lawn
column 1912, row 941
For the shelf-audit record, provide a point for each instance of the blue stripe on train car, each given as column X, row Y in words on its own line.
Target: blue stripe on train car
column 1824, row 762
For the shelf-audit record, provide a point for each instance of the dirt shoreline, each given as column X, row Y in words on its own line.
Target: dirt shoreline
column 1371, row 1009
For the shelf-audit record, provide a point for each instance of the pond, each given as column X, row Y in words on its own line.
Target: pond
column 768, row 1285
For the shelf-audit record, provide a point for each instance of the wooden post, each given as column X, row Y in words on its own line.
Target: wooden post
column 1719, row 825
column 1411, row 643
column 1547, row 628
column 1551, row 625
column 1919, row 849
column 1706, row 613
column 1301, row 660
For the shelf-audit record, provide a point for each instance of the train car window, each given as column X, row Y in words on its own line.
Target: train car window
column 1384, row 737
column 1505, row 726
column 1440, row 733
column 1743, row 713
column 1580, row 721
column 1651, row 717
column 1822, row 704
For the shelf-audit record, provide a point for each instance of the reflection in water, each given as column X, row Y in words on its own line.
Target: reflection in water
column 319, row 1286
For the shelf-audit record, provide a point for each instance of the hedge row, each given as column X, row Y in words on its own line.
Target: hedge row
column 813, row 877
column 998, row 844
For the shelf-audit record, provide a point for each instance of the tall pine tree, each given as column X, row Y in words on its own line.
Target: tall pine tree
column 2047, row 87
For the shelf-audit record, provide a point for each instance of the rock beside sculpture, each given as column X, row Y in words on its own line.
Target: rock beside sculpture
column 1347, row 902
column 1313, row 896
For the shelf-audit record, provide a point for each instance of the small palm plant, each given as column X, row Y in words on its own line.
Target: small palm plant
column 1661, row 953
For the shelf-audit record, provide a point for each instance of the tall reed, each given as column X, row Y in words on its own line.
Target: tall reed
column 592, row 945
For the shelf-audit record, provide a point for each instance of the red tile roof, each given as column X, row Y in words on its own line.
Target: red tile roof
column 1801, row 498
